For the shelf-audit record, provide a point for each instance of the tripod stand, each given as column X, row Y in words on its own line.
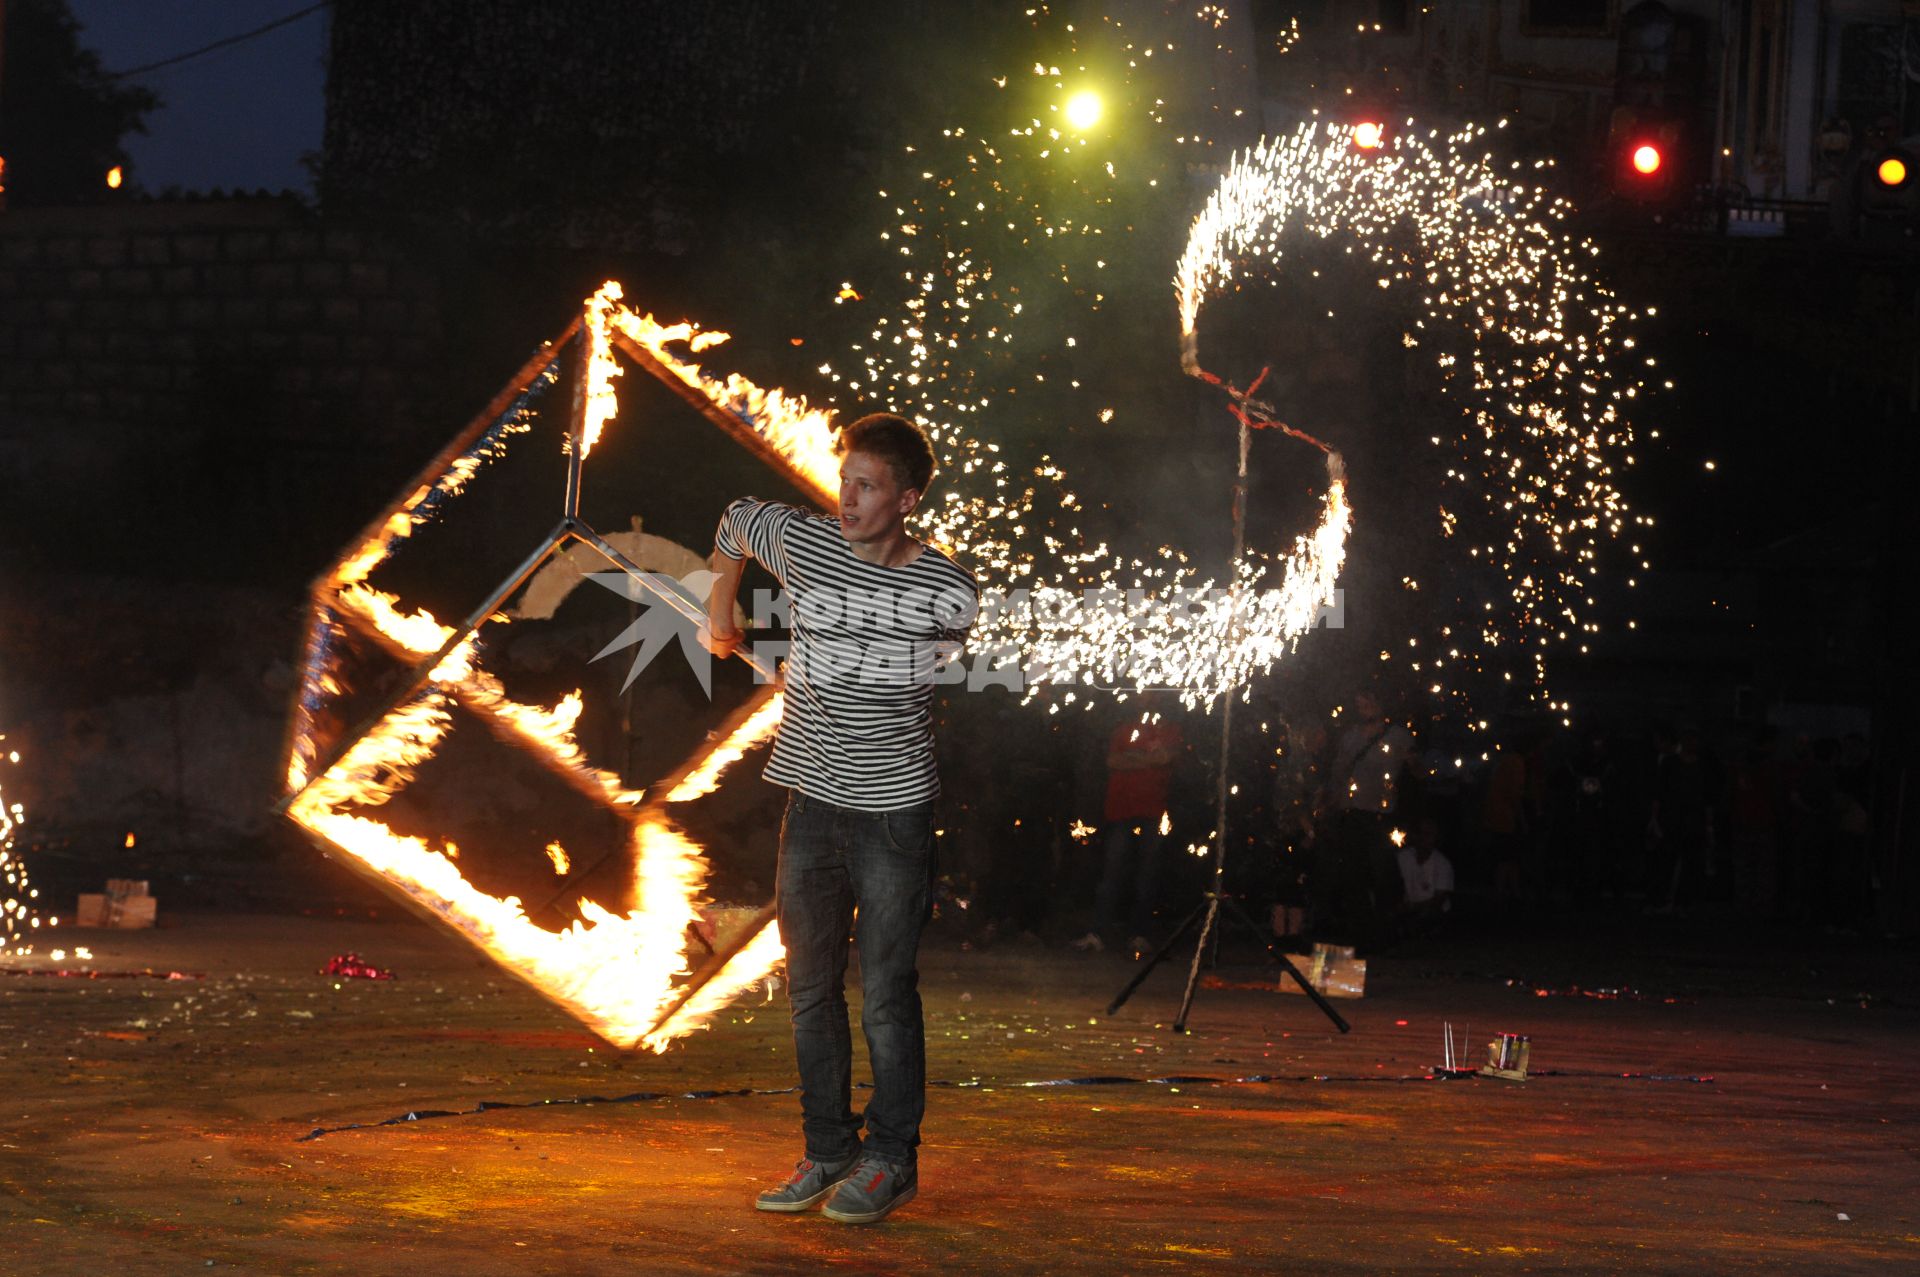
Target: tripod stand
column 1206, row 914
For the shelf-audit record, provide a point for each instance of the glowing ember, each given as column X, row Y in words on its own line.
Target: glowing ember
column 351, row 966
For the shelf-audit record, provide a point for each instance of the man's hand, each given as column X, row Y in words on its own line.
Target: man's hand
column 720, row 644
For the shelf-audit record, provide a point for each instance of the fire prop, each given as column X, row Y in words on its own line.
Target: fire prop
column 1530, row 343
column 627, row 974
column 1535, row 351
column 1003, row 239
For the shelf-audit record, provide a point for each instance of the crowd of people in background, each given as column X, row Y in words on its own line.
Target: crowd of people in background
column 1355, row 829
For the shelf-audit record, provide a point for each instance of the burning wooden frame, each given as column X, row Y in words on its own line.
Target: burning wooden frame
column 627, row 976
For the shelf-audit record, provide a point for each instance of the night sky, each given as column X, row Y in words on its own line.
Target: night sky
column 240, row 117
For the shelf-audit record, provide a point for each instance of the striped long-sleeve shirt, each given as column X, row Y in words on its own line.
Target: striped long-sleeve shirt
column 867, row 644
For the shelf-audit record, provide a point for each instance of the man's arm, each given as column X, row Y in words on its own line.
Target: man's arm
column 955, row 610
column 719, row 635
column 750, row 529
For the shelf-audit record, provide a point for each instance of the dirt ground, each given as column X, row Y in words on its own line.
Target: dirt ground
column 1730, row 1113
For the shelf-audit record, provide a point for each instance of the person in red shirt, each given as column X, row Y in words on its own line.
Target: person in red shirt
column 1140, row 756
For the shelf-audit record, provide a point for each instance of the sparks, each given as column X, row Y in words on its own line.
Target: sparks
column 18, row 916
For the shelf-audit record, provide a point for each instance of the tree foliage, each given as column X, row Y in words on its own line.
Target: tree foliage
column 62, row 115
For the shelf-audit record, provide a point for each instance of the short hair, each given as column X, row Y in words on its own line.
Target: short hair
column 896, row 441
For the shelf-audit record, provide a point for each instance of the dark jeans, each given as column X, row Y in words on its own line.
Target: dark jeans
column 1129, row 878
column 868, row 874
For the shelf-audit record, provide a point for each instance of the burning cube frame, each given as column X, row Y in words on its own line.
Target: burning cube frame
column 628, row 976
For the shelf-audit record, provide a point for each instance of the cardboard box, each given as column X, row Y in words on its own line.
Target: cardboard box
column 1332, row 970
column 124, row 905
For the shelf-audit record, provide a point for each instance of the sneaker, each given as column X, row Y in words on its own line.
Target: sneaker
column 809, row 1182
column 1090, row 943
column 873, row 1189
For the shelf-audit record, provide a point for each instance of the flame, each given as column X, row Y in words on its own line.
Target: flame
column 612, row 972
column 602, row 401
column 759, row 726
column 547, row 732
column 419, row 505
column 794, row 428
column 742, row 971
column 616, row 972
column 1166, row 823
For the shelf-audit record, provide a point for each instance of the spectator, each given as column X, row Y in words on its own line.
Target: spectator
column 1681, row 829
column 1755, row 816
column 1366, row 783
column 1140, row 756
column 1297, row 779
column 1026, row 805
column 1853, row 896
column 1595, row 800
column 1426, row 878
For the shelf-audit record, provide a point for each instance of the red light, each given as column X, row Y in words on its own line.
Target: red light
column 1646, row 159
column 1369, row 135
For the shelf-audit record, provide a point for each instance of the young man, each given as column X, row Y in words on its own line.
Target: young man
column 875, row 613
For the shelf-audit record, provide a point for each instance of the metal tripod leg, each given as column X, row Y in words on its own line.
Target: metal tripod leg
column 1207, row 910
column 1212, row 915
column 1146, row 968
column 1273, row 951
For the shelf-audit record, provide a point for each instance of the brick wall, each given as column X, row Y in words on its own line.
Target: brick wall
column 165, row 345
column 109, row 315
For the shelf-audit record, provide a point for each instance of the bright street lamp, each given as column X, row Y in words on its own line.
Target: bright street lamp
column 1083, row 110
